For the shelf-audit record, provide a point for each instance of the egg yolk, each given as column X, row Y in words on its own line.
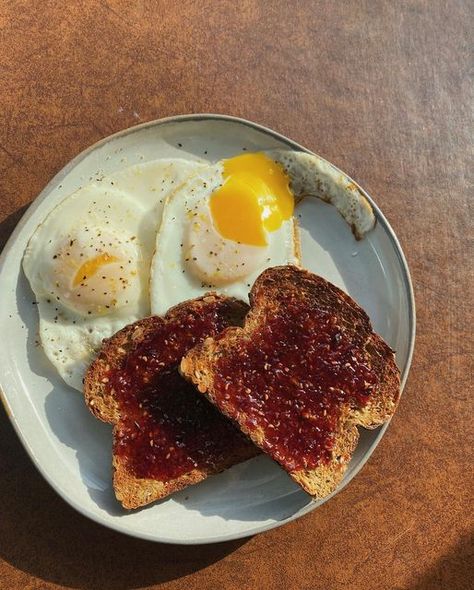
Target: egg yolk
column 92, row 266
column 255, row 198
column 93, row 272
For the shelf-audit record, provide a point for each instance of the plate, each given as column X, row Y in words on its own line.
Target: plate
column 72, row 449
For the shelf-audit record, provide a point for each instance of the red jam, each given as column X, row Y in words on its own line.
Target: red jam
column 169, row 428
column 293, row 379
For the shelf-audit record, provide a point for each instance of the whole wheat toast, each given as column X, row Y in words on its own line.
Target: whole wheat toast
column 302, row 373
column 165, row 437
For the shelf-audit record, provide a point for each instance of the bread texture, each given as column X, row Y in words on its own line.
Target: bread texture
column 181, row 429
column 300, row 376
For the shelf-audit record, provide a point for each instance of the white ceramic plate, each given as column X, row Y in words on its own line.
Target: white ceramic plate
column 73, row 450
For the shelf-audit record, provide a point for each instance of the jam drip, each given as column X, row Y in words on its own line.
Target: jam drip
column 293, row 379
column 167, row 428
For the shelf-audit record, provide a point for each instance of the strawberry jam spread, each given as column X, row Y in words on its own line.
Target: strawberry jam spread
column 294, row 378
column 166, row 428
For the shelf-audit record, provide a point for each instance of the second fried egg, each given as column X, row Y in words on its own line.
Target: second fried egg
column 88, row 263
column 221, row 229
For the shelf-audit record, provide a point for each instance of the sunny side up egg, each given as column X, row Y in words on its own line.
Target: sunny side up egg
column 88, row 263
column 221, row 229
column 234, row 219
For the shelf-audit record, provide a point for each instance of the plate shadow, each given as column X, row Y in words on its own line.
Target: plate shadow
column 44, row 537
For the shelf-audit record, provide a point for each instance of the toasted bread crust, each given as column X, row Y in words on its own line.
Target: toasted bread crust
column 199, row 366
column 130, row 490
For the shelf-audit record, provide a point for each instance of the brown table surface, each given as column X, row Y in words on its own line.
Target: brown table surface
column 383, row 90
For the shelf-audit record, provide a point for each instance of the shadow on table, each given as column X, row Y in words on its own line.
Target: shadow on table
column 45, row 538
column 9, row 224
column 454, row 571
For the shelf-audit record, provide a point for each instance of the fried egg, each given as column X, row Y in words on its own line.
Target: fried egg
column 221, row 229
column 234, row 219
column 88, row 263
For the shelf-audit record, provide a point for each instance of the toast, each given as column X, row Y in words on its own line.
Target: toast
column 302, row 373
column 166, row 435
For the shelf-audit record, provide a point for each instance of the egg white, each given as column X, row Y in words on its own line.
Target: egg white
column 311, row 176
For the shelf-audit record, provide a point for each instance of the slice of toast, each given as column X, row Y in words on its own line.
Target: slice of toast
column 166, row 435
column 301, row 374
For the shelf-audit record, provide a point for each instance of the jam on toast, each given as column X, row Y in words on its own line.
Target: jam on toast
column 166, row 435
column 302, row 373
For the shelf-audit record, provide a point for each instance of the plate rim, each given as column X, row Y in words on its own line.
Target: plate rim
column 407, row 283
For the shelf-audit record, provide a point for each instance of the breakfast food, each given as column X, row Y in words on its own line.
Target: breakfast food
column 88, row 263
column 221, row 229
column 234, row 219
column 302, row 373
column 166, row 435
column 311, row 176
column 294, row 376
column 146, row 238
